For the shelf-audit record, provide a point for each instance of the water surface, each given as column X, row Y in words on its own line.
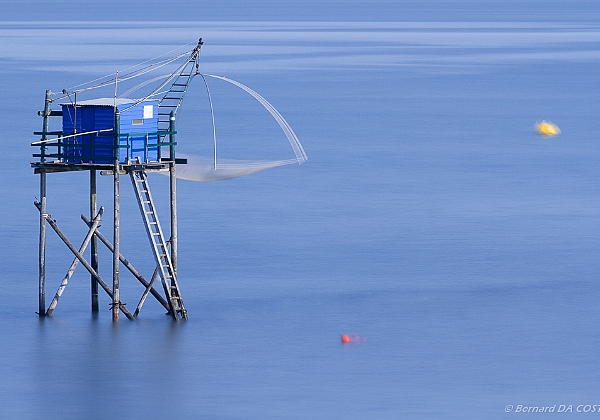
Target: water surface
column 430, row 218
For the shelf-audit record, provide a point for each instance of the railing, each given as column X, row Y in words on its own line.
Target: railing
column 98, row 147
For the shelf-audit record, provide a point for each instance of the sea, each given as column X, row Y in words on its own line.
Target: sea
column 455, row 246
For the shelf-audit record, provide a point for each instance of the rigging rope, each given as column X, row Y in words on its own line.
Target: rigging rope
column 289, row 133
column 135, row 73
column 212, row 116
column 203, row 170
column 198, row 168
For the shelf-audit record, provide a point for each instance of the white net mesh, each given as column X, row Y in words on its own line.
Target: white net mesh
column 203, row 169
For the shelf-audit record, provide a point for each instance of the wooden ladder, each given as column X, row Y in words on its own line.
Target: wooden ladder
column 158, row 244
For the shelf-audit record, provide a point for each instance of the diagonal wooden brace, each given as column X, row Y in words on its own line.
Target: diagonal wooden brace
column 130, row 267
column 83, row 261
column 148, row 289
column 71, row 270
column 145, row 294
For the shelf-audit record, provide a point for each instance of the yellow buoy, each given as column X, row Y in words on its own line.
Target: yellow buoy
column 547, row 128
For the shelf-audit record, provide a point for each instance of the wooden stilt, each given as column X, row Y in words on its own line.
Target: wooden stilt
column 173, row 193
column 94, row 243
column 42, row 244
column 117, row 222
column 42, row 247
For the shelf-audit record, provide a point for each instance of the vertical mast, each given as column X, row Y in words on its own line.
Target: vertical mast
column 117, row 210
column 42, row 245
column 173, row 191
column 117, row 223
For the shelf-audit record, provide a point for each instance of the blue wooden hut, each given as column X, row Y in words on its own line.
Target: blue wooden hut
column 95, row 120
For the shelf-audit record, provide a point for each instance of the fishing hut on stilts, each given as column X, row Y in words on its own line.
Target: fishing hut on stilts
column 118, row 137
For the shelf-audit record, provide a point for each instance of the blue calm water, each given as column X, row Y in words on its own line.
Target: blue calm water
column 430, row 219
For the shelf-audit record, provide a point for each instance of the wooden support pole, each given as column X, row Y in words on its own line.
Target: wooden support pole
column 117, row 223
column 94, row 244
column 128, row 265
column 42, row 247
column 42, row 244
column 71, row 270
column 173, row 193
column 81, row 259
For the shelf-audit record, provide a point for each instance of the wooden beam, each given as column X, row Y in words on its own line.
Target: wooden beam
column 42, row 209
column 145, row 294
column 94, row 244
column 117, row 221
column 173, row 193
